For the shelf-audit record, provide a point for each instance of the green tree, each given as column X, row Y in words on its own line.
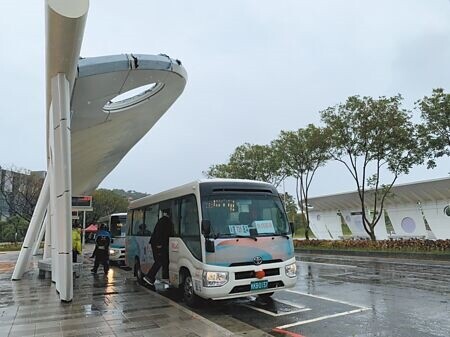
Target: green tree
column 105, row 202
column 435, row 132
column 296, row 218
column 20, row 189
column 254, row 162
column 302, row 152
column 13, row 230
column 369, row 136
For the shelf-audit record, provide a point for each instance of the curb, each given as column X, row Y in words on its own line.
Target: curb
column 415, row 256
column 211, row 324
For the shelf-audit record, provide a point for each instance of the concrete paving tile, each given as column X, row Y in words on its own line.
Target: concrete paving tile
column 253, row 333
column 4, row 332
column 174, row 331
column 155, row 333
column 56, row 334
column 113, row 306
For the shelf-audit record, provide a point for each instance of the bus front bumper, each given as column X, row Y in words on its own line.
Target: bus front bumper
column 242, row 281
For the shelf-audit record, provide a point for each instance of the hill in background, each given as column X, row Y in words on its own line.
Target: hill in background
column 130, row 195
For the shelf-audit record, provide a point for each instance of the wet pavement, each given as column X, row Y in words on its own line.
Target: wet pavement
column 335, row 296
column 113, row 305
column 348, row 296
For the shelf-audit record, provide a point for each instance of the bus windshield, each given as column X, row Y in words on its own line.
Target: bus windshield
column 117, row 226
column 235, row 215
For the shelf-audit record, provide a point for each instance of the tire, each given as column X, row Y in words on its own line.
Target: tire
column 138, row 272
column 189, row 296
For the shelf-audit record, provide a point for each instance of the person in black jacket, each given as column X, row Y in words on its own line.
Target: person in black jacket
column 159, row 242
column 101, row 251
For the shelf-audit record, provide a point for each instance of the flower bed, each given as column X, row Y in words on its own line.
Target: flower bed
column 400, row 245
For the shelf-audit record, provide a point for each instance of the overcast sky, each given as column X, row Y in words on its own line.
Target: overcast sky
column 255, row 68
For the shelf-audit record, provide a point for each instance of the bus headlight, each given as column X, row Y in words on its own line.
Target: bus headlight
column 291, row 270
column 214, row 278
column 112, row 252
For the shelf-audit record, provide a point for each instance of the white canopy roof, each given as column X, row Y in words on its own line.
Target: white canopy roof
column 103, row 131
column 423, row 191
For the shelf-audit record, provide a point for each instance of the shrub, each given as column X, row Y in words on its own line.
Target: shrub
column 417, row 245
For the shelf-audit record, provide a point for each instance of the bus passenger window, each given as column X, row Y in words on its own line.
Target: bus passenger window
column 175, row 217
column 151, row 218
column 138, row 219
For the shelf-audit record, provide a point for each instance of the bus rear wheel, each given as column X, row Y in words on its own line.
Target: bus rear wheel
column 189, row 296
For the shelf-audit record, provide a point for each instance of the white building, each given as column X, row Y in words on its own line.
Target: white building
column 420, row 209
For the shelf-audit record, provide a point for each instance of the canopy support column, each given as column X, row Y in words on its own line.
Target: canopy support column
column 62, row 188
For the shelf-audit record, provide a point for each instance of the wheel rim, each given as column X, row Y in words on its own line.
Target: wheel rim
column 188, row 287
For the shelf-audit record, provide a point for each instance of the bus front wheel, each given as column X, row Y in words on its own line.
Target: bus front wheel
column 189, row 296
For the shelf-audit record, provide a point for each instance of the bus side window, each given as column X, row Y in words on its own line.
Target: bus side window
column 151, row 217
column 129, row 222
column 189, row 225
column 138, row 217
column 176, row 217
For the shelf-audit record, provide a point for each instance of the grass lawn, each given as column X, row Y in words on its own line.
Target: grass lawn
column 6, row 247
column 10, row 246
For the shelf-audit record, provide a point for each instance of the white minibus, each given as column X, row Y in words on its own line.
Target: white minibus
column 117, row 226
column 229, row 238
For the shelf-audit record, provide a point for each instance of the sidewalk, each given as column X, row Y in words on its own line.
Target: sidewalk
column 113, row 305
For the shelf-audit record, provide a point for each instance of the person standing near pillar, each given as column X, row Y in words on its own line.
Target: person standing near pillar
column 76, row 242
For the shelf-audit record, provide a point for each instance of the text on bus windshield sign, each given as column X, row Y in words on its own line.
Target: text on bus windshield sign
column 82, row 203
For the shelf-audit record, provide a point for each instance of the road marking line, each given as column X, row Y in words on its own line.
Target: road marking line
column 267, row 312
column 328, row 264
column 295, row 305
column 285, row 332
column 322, row 318
column 326, row 299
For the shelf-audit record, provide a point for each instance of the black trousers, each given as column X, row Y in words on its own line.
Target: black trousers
column 161, row 257
column 101, row 257
column 74, row 256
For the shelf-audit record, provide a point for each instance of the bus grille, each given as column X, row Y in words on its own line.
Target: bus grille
column 245, row 288
column 240, row 264
column 241, row 275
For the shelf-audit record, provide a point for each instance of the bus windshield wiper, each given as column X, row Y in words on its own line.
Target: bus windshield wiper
column 219, row 235
column 246, row 237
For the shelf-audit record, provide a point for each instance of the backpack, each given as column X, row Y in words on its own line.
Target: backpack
column 102, row 242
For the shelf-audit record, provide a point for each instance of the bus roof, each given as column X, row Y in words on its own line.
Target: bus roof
column 107, row 217
column 193, row 186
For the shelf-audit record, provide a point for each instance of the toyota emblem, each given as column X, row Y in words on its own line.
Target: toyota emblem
column 257, row 260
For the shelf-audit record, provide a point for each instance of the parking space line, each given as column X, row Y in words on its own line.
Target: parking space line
column 267, row 312
column 321, row 318
column 327, row 299
column 295, row 305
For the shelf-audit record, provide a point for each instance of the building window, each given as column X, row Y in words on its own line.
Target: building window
column 447, row 210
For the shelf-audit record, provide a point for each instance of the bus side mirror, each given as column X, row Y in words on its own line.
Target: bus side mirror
column 206, row 227
column 291, row 225
column 112, row 240
column 209, row 246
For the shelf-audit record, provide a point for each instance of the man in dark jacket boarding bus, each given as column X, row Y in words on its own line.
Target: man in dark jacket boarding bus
column 159, row 242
